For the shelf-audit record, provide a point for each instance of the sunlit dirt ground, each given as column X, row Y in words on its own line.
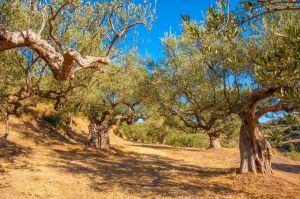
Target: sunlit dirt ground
column 40, row 162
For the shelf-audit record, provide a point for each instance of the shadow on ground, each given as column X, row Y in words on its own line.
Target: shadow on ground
column 144, row 175
column 10, row 150
column 43, row 133
column 167, row 147
column 286, row 167
column 141, row 174
column 9, row 153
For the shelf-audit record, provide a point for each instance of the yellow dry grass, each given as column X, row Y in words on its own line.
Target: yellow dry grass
column 39, row 162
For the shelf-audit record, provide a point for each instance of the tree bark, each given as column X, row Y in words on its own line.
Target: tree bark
column 214, row 139
column 3, row 139
column 93, row 131
column 61, row 64
column 103, row 139
column 255, row 150
column 100, row 129
column 99, row 134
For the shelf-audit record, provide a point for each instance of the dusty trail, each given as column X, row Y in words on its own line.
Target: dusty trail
column 43, row 163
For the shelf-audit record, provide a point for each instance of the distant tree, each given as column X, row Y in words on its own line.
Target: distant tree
column 187, row 87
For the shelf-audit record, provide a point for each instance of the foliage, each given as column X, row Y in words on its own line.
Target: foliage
column 54, row 120
column 156, row 131
column 293, row 155
column 181, row 139
column 222, row 19
column 275, row 136
column 231, row 132
column 90, row 27
column 112, row 92
column 97, row 28
column 291, row 119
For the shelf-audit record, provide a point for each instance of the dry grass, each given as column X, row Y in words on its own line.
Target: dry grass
column 39, row 162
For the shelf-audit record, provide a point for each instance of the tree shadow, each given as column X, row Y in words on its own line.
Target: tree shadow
column 287, row 167
column 77, row 137
column 41, row 134
column 10, row 150
column 142, row 174
column 168, row 147
column 45, row 134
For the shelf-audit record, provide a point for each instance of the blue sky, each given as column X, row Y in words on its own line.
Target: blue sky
column 168, row 13
column 168, row 19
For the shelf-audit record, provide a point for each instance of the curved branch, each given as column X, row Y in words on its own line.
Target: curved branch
column 280, row 106
column 267, row 12
column 60, row 64
column 259, row 94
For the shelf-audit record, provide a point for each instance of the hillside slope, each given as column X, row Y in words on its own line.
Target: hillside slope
column 40, row 162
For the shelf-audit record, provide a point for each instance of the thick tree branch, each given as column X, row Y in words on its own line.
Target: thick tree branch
column 280, row 106
column 259, row 94
column 61, row 65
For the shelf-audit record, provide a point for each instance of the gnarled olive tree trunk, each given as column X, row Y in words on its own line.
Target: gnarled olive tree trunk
column 255, row 150
column 100, row 129
column 214, row 138
column 99, row 134
column 103, row 135
column 3, row 139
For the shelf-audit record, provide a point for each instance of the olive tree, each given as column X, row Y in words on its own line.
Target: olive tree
column 275, row 73
column 187, row 87
column 258, row 71
column 110, row 98
column 70, row 35
column 20, row 77
column 61, row 37
column 261, row 73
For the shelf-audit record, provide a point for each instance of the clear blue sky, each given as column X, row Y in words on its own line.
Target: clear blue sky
column 168, row 15
column 169, row 18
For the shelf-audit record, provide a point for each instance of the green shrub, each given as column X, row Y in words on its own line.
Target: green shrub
column 54, row 120
column 149, row 132
column 291, row 147
column 182, row 139
column 287, row 147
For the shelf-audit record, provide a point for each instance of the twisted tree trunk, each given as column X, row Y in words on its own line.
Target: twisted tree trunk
column 99, row 134
column 255, row 150
column 93, row 131
column 103, row 140
column 100, row 129
column 3, row 139
column 214, row 139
